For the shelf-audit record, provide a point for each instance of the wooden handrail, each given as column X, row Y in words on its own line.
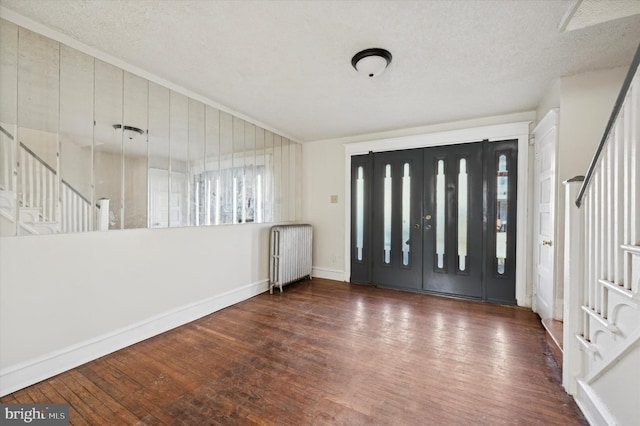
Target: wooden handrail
column 3, row 130
column 614, row 115
column 40, row 160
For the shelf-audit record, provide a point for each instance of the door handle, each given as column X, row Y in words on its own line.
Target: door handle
column 547, row 243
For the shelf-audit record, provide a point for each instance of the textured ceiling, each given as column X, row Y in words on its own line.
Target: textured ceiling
column 591, row 12
column 287, row 63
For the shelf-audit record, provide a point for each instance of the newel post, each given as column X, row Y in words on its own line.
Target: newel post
column 573, row 284
column 103, row 214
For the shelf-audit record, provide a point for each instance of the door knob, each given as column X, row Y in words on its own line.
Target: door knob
column 416, row 226
column 547, row 243
column 428, row 217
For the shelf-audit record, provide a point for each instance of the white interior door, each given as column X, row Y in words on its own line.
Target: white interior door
column 544, row 210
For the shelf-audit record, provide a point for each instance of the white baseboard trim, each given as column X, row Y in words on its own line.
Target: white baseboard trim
column 33, row 371
column 329, row 274
column 592, row 406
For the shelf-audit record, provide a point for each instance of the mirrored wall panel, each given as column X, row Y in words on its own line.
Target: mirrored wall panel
column 76, row 140
column 87, row 146
column 8, row 127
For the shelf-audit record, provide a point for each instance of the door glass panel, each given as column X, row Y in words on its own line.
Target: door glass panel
column 387, row 214
column 440, row 213
column 406, row 213
column 501, row 212
column 359, row 212
column 462, row 215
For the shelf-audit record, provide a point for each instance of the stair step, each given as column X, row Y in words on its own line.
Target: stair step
column 7, row 201
column 29, row 215
column 603, row 321
column 44, row 228
column 617, row 289
column 587, row 345
column 631, row 249
column 554, row 330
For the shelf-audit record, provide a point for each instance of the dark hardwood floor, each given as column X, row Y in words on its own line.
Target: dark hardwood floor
column 326, row 352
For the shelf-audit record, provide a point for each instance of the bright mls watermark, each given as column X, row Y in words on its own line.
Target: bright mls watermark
column 34, row 414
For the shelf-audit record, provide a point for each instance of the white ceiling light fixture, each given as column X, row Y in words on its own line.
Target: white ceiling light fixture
column 130, row 132
column 371, row 62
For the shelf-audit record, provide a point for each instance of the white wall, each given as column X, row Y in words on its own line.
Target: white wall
column 549, row 101
column 586, row 102
column 324, row 176
column 69, row 298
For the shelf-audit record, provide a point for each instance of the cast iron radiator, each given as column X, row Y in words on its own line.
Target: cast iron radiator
column 290, row 254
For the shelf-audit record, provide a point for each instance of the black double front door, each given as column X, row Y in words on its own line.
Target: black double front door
column 439, row 220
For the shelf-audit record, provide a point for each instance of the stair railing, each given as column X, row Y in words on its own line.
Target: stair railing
column 39, row 189
column 77, row 214
column 8, row 155
column 37, row 184
column 602, row 235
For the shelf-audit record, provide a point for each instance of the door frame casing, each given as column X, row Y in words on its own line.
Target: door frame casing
column 494, row 133
column 544, row 128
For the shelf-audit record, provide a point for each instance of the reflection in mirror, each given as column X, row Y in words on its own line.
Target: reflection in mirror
column 260, row 173
column 269, row 185
column 196, row 162
column 239, row 190
column 158, row 135
column 85, row 145
column 179, row 143
column 296, row 179
column 136, row 98
column 38, row 118
column 277, row 178
column 211, row 176
column 285, row 186
column 249, row 171
column 107, row 149
column 226, row 176
column 76, row 140
column 8, row 126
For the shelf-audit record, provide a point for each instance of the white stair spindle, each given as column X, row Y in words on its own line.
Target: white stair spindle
column 618, row 195
column 634, row 106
